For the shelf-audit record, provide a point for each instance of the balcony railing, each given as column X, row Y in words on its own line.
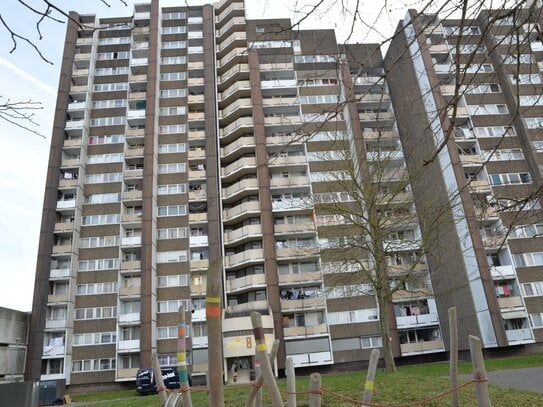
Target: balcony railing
column 243, row 208
column 131, row 241
column 130, row 317
column 243, row 232
column 305, row 330
column 250, row 281
column 516, row 336
column 300, row 277
column 251, row 255
column 506, row 303
column 305, row 303
column 422, row 347
column 417, row 320
column 129, row 345
column 247, row 307
column 312, row 359
column 502, row 272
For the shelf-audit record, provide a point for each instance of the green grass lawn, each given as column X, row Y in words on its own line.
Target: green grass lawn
column 410, row 384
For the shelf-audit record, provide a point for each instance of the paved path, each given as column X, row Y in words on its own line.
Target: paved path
column 530, row 378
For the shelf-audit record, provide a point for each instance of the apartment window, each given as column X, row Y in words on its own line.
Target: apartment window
column 483, row 88
column 174, row 16
column 172, row 306
column 102, row 198
column 538, row 146
column 470, row 30
column 172, row 111
column 195, row 50
column 110, row 87
column 304, row 346
column 517, row 59
column 102, row 241
column 174, row 44
column 173, row 76
column 95, row 313
column 329, row 176
column 103, row 178
column 319, row 99
column 172, row 210
column 270, row 44
column 470, row 49
column 173, row 93
column 178, row 29
column 172, row 233
column 105, row 158
column 476, row 68
column 510, row 178
column 173, row 60
column 113, row 40
column 505, row 154
column 56, row 313
column 172, row 148
column 108, row 121
column 528, row 259
column 96, row 288
column 527, row 231
column 171, row 257
column 109, row 104
column 521, row 79
column 309, row 59
column 329, row 155
column 318, row 82
column 104, row 56
column 354, row 316
column 98, row 264
column 172, row 168
column 110, row 139
column 172, row 129
column 98, row 338
column 180, row 280
column 536, row 320
column 487, row 109
column 328, row 136
column 534, row 122
column 130, row 307
column 170, row 189
column 495, row 131
column 120, row 70
column 167, row 332
column 531, row 100
column 533, row 289
column 108, row 219
column 352, row 290
column 260, row 29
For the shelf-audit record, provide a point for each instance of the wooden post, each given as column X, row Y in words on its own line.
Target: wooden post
column 162, row 394
column 453, row 343
column 479, row 371
column 215, row 372
column 182, row 358
column 258, row 397
column 265, row 365
column 315, row 390
column 259, row 379
column 291, row 383
column 370, row 377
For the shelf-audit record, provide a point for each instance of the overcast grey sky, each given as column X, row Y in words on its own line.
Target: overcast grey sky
column 24, row 76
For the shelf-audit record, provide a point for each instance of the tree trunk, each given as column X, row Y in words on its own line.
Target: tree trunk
column 390, row 365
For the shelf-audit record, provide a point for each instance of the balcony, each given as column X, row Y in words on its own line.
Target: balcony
column 302, row 304
column 62, row 249
column 242, row 143
column 130, row 266
column 510, row 303
column 291, row 204
column 247, row 307
column 312, row 359
column 57, row 298
column 422, row 347
column 131, row 241
column 55, row 323
column 281, row 161
column 502, row 272
column 305, row 330
column 198, row 217
column 199, row 289
column 199, row 265
column 242, row 163
column 480, row 186
column 129, row 318
column 247, row 256
column 238, row 69
column 242, row 186
column 279, row 101
column 288, row 139
column 67, row 183
column 200, row 174
column 372, row 116
column 245, row 208
column 136, row 117
column 131, row 217
column 296, row 278
column 129, row 346
column 289, row 228
column 233, row 128
column 234, row 7
column 289, row 182
column 198, row 315
column 53, row 351
column 66, row 204
column 244, row 232
column 231, row 41
column 439, row 48
column 131, row 291
column 197, row 154
column 72, row 143
column 127, row 374
column 417, row 320
column 251, row 281
column 70, row 162
column 234, row 21
column 244, row 103
column 74, row 127
column 133, row 173
column 519, row 336
column 59, row 274
column 471, row 160
column 283, row 121
column 197, row 135
column 199, row 342
column 132, row 195
column 195, row 82
column 237, row 86
column 137, row 95
column 195, row 241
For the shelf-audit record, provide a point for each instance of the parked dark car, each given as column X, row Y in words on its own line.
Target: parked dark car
column 146, row 383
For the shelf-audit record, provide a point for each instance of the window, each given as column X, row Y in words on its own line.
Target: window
column 95, row 313
column 109, row 104
column 171, row 257
column 510, row 178
column 97, row 288
column 98, row 264
column 172, row 111
column 130, row 307
column 172, row 148
column 170, row 189
column 105, row 158
column 521, row 79
column 120, row 70
column 102, row 241
column 319, row 99
column 495, row 131
column 173, row 60
column 113, row 40
column 110, row 87
column 354, row 316
column 530, row 100
column 100, row 219
column 487, row 109
column 483, row 88
column 308, row 59
column 505, row 154
column 171, row 129
column 108, row 121
column 527, row 231
column 102, row 198
column 172, row 306
column 270, row 44
column 112, row 139
column 167, row 332
column 174, row 44
column 536, row 320
column 534, row 122
column 172, row 168
column 528, row 259
column 173, row 76
column 180, row 280
column 195, row 50
column 533, row 289
column 103, row 178
column 172, row 210
column 171, row 233
column 173, row 93
column 476, row 68
column 113, row 55
column 98, row 338
column 174, row 16
column 517, row 59
column 260, row 29
column 538, row 146
column 178, row 29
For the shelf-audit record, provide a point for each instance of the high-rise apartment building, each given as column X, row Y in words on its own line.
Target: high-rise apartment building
column 185, row 134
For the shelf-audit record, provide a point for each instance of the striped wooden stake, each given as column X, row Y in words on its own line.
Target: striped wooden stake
column 259, row 379
column 370, row 377
column 262, row 357
column 215, row 373
column 182, row 358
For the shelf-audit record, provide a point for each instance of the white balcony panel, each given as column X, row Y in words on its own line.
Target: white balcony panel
column 198, row 241
column 131, row 317
column 417, row 320
column 55, row 323
column 312, row 359
column 519, row 336
column 131, row 241
column 198, row 315
column 69, row 204
column 502, row 272
column 130, row 345
column 199, row 341
column 53, row 351
column 59, row 273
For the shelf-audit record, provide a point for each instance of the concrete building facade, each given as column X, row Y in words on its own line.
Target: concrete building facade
column 185, row 134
